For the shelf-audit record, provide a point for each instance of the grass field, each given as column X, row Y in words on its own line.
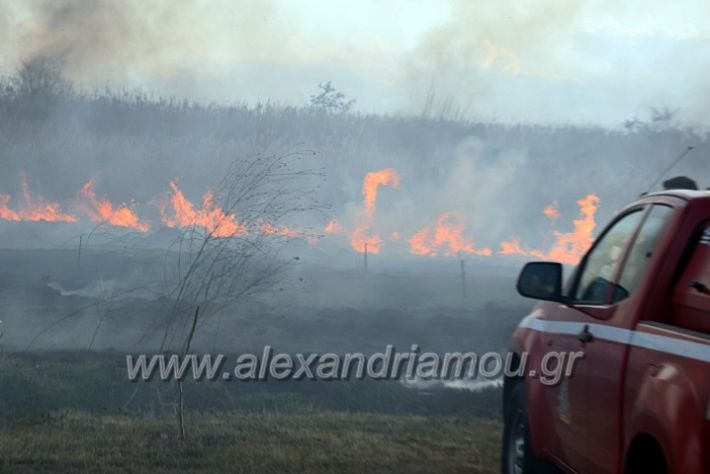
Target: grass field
column 317, row 442
column 68, row 412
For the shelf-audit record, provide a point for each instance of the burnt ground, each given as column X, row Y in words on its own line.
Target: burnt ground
column 113, row 301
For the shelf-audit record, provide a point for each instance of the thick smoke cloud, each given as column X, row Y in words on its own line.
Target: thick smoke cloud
column 551, row 61
column 163, row 46
column 576, row 61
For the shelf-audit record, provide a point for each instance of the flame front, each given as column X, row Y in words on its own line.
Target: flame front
column 210, row 217
column 447, row 236
column 267, row 228
column 569, row 247
column 551, row 211
column 33, row 208
column 512, row 247
column 333, row 227
column 103, row 211
column 372, row 181
column 363, row 239
column 6, row 213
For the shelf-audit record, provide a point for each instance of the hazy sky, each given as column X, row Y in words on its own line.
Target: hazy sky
column 533, row 61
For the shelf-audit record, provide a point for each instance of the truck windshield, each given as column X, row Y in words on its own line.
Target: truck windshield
column 595, row 281
column 642, row 250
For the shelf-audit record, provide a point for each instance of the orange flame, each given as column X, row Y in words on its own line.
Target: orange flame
column 551, row 211
column 333, row 227
column 372, row 181
column 447, row 235
column 33, row 208
column 267, row 228
column 210, row 217
column 6, row 213
column 569, row 246
column 512, row 247
column 361, row 240
column 102, row 210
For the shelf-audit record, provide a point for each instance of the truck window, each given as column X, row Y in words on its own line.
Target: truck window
column 691, row 295
column 595, row 279
column 642, row 250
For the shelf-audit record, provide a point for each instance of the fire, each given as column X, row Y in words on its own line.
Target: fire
column 372, row 181
column 362, row 241
column 210, row 217
column 419, row 243
column 33, row 208
column 569, row 246
column 333, row 227
column 267, row 228
column 6, row 213
column 512, row 247
column 447, row 236
column 102, row 210
column 551, row 211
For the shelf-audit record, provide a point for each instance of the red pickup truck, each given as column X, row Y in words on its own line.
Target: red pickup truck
column 638, row 307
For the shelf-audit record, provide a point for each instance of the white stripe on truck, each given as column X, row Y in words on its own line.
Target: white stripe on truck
column 655, row 342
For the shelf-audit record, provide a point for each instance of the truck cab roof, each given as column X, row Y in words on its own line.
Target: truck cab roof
column 685, row 194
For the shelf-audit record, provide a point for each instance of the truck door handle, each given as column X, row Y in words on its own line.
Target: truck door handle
column 585, row 335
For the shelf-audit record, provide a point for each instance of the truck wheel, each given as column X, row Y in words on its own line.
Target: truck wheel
column 516, row 456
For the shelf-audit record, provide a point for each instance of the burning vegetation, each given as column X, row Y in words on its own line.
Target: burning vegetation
column 210, row 217
column 446, row 236
column 33, row 208
column 103, row 211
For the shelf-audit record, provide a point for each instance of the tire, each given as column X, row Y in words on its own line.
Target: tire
column 645, row 455
column 516, row 454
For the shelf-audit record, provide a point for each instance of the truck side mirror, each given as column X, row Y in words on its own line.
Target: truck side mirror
column 541, row 280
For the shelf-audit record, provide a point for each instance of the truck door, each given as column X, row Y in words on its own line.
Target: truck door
column 591, row 296
column 691, row 296
column 667, row 380
column 606, row 352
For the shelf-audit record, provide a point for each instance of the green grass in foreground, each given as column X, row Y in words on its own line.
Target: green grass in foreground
column 318, row 442
column 69, row 412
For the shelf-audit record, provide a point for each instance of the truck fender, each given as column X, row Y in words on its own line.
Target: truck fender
column 667, row 402
column 526, row 343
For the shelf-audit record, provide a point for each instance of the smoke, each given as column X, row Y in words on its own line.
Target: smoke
column 163, row 44
column 218, row 51
column 552, row 61
column 565, row 61
column 481, row 181
column 491, row 35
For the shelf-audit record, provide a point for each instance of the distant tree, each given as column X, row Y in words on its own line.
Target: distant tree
column 659, row 117
column 633, row 124
column 41, row 77
column 331, row 100
column 37, row 87
column 663, row 115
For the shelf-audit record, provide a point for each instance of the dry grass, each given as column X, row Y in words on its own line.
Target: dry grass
column 322, row 442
